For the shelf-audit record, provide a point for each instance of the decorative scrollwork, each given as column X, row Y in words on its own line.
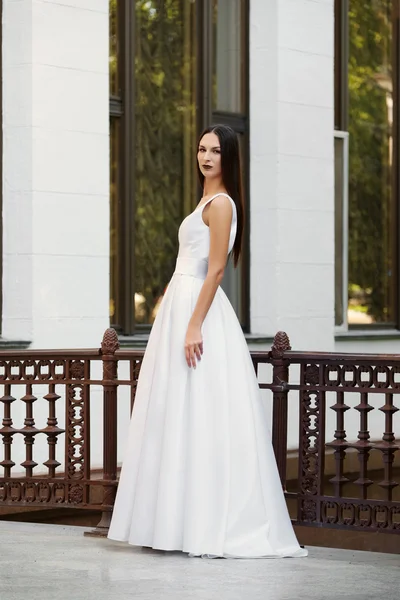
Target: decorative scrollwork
column 59, row 493
column 3, row 492
column 309, row 511
column 394, row 517
column 363, row 382
column 75, row 431
column 77, row 369
column 76, row 494
column 29, row 492
column 330, row 512
column 331, row 370
column 381, row 383
column 345, row 380
column 44, row 370
column 43, row 492
column 311, row 375
column 25, row 366
column 310, row 479
column 15, row 491
column 393, row 382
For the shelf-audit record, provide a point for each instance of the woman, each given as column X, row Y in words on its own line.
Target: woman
column 199, row 473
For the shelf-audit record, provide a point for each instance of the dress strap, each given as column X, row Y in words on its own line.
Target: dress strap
column 212, row 198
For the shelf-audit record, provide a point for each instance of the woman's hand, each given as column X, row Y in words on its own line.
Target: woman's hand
column 193, row 345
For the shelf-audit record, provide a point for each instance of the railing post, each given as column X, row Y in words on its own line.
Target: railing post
column 109, row 346
column 280, row 379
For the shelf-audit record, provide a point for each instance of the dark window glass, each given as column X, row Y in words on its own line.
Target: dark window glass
column 114, row 48
column 165, row 132
column 229, row 56
column 115, row 225
column 372, row 198
column 341, row 215
column 165, row 66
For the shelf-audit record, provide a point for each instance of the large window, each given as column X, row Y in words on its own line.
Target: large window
column 175, row 66
column 366, row 109
column 1, row 170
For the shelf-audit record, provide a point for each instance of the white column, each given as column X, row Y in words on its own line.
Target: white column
column 17, row 170
column 263, row 166
column 56, row 165
column 292, row 193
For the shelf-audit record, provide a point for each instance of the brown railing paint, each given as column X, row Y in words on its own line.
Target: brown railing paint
column 320, row 375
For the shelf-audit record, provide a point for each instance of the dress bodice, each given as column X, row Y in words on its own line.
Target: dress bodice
column 194, row 241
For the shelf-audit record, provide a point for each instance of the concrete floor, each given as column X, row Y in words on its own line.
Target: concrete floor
column 55, row 562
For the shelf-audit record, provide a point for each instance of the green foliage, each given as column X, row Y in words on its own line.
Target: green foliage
column 113, row 58
column 164, row 130
column 370, row 189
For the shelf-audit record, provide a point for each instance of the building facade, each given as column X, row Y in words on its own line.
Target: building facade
column 102, row 105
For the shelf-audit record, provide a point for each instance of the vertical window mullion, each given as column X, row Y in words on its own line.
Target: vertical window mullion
column 341, row 64
column 128, row 167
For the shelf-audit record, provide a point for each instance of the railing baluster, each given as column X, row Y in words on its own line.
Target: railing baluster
column 280, row 380
column 52, row 430
column 29, row 431
column 388, row 447
column 339, row 445
column 311, row 443
column 109, row 346
column 7, row 431
column 363, row 445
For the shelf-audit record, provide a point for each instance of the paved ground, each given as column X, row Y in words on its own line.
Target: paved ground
column 54, row 562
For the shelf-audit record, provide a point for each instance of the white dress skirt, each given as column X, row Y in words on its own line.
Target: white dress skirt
column 199, row 473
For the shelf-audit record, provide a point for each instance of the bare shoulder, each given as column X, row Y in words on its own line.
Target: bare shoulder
column 221, row 205
column 218, row 213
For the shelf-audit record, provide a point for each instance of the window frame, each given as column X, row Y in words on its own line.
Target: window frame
column 123, row 107
column 344, row 226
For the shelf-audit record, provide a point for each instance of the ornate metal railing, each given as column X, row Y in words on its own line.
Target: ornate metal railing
column 329, row 385
column 73, row 382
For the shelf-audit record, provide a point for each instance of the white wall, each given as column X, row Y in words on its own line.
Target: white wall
column 292, row 218
column 55, row 188
column 56, row 169
column 17, row 170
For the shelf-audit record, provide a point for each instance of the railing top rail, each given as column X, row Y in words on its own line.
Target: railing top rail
column 294, row 357
column 127, row 354
column 88, row 353
column 343, row 357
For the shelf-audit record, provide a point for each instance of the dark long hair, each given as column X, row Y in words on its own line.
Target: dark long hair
column 231, row 177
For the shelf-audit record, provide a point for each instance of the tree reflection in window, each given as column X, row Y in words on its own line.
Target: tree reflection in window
column 165, row 183
column 371, row 190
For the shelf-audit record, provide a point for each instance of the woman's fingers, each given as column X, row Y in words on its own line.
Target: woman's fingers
column 194, row 363
column 193, row 354
column 187, row 356
column 198, row 352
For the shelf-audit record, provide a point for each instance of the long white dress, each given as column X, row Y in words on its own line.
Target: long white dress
column 199, row 473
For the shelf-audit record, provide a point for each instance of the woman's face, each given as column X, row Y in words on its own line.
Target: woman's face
column 209, row 156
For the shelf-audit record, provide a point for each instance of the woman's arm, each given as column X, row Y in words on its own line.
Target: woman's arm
column 218, row 216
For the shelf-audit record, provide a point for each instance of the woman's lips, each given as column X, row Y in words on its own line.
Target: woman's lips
column 207, row 167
